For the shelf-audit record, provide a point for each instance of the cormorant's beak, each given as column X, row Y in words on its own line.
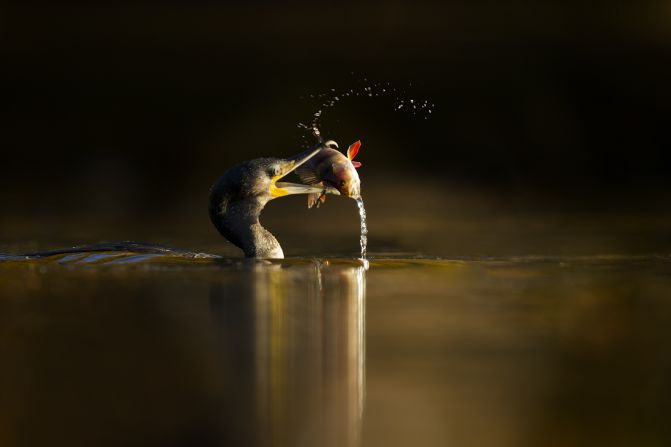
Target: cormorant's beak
column 287, row 166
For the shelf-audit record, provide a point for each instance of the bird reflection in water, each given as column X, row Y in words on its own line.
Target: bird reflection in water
column 294, row 342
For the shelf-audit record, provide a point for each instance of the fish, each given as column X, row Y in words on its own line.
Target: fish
column 330, row 167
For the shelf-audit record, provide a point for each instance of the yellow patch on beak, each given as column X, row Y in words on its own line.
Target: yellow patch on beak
column 274, row 190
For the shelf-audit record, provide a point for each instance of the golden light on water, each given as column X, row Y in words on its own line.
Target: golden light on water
column 510, row 352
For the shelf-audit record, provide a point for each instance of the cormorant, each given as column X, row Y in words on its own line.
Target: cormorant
column 238, row 197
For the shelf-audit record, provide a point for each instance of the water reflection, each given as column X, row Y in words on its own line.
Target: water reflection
column 297, row 342
column 172, row 353
column 216, row 353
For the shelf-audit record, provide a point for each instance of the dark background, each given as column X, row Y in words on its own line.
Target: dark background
column 123, row 114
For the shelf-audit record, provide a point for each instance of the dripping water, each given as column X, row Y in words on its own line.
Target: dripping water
column 363, row 239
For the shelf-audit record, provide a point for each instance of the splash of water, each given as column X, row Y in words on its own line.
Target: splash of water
column 402, row 101
column 363, row 239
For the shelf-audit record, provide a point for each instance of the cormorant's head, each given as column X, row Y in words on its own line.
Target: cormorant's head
column 277, row 168
column 255, row 182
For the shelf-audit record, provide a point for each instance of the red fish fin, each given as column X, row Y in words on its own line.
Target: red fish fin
column 356, row 164
column 353, row 149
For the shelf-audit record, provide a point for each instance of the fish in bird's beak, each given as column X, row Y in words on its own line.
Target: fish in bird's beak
column 331, row 168
column 286, row 166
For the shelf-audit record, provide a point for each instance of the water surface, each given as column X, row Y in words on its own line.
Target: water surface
column 128, row 348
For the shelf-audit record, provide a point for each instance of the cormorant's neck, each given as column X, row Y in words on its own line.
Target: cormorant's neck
column 238, row 221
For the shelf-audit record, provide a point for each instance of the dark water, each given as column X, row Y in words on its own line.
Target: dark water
column 167, row 349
